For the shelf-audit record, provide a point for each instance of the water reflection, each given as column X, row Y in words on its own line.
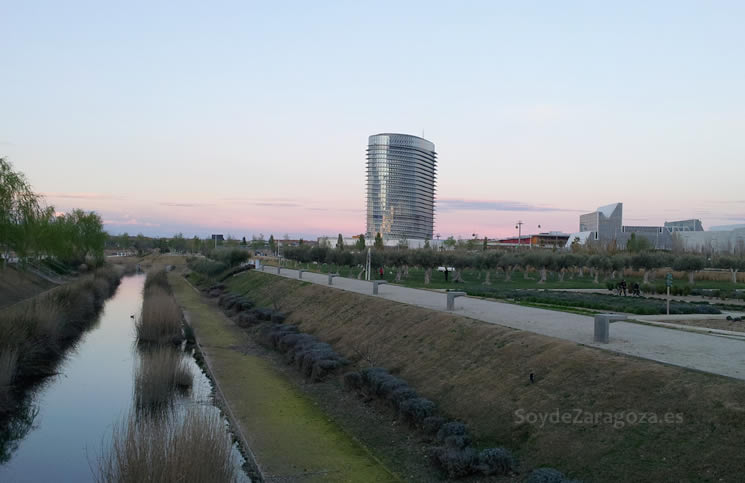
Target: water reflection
column 15, row 429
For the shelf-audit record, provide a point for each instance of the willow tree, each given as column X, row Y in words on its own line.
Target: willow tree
column 19, row 206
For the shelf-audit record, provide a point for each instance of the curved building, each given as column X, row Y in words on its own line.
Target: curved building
column 401, row 173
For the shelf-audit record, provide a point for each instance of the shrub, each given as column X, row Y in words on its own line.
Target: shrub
column 246, row 320
column 322, row 368
column 370, row 374
column 611, row 286
column 452, row 428
column 432, row 424
column 495, row 461
column 458, row 441
column 417, row 409
column 456, row 463
column 546, row 475
column 387, row 383
column 401, row 394
column 352, row 380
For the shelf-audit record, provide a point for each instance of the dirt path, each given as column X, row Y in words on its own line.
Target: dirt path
column 291, row 437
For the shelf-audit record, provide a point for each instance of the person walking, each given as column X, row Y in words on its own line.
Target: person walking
column 622, row 287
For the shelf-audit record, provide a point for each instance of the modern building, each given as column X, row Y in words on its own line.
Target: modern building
column 605, row 226
column 684, row 225
column 605, row 223
column 726, row 241
column 401, row 172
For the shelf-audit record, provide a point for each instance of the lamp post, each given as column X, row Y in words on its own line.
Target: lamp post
column 519, row 226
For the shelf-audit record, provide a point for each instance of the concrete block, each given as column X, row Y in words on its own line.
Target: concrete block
column 300, row 274
column 602, row 326
column 451, row 299
column 376, row 284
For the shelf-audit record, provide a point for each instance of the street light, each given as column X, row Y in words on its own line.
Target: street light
column 519, row 226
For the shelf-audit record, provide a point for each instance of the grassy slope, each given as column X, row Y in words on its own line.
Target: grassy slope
column 16, row 285
column 479, row 372
column 286, row 431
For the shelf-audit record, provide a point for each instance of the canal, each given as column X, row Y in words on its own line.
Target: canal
column 75, row 411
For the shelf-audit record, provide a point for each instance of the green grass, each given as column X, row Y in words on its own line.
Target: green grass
column 288, row 433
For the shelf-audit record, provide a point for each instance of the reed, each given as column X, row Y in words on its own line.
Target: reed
column 169, row 446
column 160, row 321
column 159, row 373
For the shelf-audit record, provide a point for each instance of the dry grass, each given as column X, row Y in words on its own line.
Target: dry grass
column 160, row 322
column 194, row 446
column 35, row 333
column 479, row 372
column 8, row 365
column 159, row 373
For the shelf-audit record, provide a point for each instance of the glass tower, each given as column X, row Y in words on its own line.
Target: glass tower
column 401, row 173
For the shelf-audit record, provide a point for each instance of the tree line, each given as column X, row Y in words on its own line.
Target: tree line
column 508, row 262
column 30, row 228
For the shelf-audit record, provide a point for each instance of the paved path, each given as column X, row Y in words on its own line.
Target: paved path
column 706, row 352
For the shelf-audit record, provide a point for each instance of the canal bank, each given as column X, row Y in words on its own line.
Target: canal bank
column 291, row 437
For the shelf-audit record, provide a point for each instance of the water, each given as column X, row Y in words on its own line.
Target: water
column 93, row 391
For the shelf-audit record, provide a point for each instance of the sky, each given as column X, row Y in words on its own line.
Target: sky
column 253, row 117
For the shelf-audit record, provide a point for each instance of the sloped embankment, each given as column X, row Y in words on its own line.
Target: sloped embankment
column 479, row 372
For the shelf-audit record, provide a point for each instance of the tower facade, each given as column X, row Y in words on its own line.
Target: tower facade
column 401, row 172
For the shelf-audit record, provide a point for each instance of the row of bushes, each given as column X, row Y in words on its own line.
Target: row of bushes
column 34, row 335
column 454, row 453
column 314, row 359
column 633, row 305
column 242, row 309
column 682, row 291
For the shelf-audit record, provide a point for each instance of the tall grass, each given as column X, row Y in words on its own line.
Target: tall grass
column 34, row 335
column 169, row 446
column 159, row 373
column 160, row 321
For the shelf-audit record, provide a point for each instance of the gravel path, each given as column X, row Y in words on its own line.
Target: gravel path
column 712, row 353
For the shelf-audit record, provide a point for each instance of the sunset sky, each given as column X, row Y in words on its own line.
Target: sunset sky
column 245, row 118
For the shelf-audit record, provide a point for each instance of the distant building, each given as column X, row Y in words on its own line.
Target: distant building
column 552, row 239
column 401, row 172
column 730, row 241
column 684, row 225
column 605, row 226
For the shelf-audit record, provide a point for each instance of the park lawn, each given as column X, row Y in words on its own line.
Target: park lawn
column 287, row 432
column 475, row 278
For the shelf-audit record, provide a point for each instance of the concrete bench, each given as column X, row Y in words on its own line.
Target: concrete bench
column 451, row 299
column 376, row 284
column 300, row 274
column 602, row 326
column 331, row 277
